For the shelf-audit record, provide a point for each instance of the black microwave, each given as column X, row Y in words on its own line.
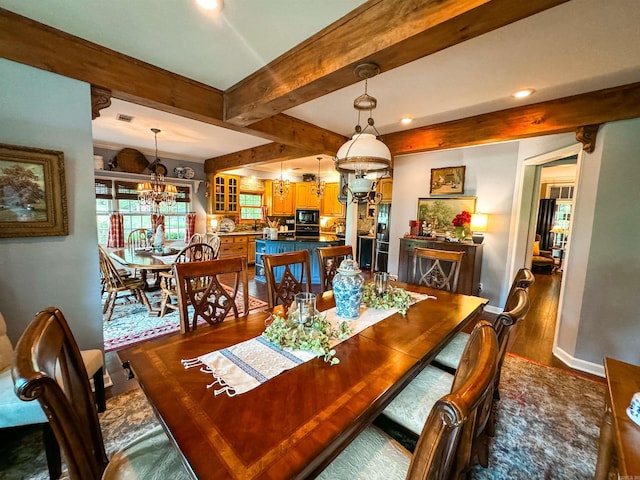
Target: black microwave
column 307, row 216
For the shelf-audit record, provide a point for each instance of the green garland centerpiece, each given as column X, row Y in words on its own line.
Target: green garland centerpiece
column 312, row 336
column 394, row 297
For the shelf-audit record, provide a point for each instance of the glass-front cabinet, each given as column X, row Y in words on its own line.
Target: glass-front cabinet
column 224, row 193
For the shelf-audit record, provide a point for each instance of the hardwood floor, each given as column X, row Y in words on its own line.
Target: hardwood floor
column 532, row 339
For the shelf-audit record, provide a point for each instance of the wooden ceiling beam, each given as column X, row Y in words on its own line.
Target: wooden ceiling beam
column 269, row 153
column 390, row 33
column 546, row 118
column 32, row 43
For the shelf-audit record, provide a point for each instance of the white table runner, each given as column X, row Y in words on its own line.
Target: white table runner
column 246, row 365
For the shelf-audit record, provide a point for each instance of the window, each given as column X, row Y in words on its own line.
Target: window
column 122, row 197
column 250, row 206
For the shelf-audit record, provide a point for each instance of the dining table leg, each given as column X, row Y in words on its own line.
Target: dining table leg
column 605, row 445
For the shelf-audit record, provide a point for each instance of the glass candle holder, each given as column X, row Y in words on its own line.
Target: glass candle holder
column 305, row 306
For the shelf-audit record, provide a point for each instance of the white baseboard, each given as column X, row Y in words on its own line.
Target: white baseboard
column 577, row 364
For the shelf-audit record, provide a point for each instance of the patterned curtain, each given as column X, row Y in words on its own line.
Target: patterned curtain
column 191, row 226
column 115, row 236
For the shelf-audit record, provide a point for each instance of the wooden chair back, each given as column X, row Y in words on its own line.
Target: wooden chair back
column 195, row 252
column 436, row 268
column 523, row 279
column 48, row 368
column 112, row 279
column 138, row 238
column 213, row 240
column 294, row 276
column 200, row 284
column 329, row 259
column 444, row 447
column 196, row 238
column 507, row 321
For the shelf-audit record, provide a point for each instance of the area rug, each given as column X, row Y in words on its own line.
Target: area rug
column 131, row 323
column 547, row 428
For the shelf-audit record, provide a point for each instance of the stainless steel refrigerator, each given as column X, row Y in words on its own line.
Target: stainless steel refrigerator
column 382, row 237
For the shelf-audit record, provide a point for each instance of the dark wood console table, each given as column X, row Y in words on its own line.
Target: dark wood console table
column 618, row 430
column 470, row 268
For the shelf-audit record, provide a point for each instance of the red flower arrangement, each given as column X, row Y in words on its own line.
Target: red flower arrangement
column 462, row 219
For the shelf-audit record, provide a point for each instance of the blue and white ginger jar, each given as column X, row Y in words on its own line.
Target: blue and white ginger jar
column 348, row 284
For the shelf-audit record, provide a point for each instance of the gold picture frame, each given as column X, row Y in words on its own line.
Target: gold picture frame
column 439, row 212
column 33, row 200
column 447, row 181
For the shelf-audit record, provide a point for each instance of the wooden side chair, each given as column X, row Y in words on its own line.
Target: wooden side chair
column 138, row 238
column 329, row 259
column 114, row 284
column 449, row 356
column 213, row 240
column 199, row 285
column 196, row 252
column 287, row 274
column 446, row 431
column 196, row 238
column 436, row 268
column 48, row 368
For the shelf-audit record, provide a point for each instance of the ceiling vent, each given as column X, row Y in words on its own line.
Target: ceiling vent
column 308, row 177
column 124, row 118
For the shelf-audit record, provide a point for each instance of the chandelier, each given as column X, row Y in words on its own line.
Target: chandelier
column 281, row 186
column 154, row 192
column 318, row 186
column 364, row 153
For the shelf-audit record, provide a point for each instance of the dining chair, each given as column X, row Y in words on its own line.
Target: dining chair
column 213, row 240
column 446, row 432
column 199, row 285
column 287, row 274
column 329, row 259
column 449, row 356
column 48, row 368
column 195, row 252
column 436, row 268
column 114, row 284
column 196, row 238
column 138, row 238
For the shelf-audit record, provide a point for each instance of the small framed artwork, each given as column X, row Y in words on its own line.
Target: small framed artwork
column 447, row 181
column 33, row 200
column 439, row 212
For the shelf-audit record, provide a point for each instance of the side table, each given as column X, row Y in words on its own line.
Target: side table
column 558, row 267
column 617, row 429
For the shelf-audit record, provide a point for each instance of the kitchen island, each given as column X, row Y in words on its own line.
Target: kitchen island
column 291, row 244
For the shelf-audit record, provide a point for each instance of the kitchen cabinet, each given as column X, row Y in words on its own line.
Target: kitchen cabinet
column 276, row 205
column 304, row 197
column 385, row 187
column 239, row 245
column 470, row 267
column 329, row 205
column 224, row 193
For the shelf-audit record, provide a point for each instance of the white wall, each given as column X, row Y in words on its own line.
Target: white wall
column 44, row 110
column 609, row 320
column 490, row 176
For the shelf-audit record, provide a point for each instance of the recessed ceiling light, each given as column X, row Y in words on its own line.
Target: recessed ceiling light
column 210, row 4
column 406, row 120
column 524, row 93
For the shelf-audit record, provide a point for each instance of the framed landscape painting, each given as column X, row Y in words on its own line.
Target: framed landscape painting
column 33, row 199
column 447, row 181
column 439, row 212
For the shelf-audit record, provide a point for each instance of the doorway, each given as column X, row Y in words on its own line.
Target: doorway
column 536, row 183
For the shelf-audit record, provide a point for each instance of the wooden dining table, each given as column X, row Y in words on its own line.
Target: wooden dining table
column 143, row 261
column 293, row 425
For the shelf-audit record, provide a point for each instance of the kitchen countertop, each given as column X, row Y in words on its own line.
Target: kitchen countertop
column 319, row 239
column 243, row 232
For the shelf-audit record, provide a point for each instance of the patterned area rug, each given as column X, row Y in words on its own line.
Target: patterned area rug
column 548, row 427
column 131, row 323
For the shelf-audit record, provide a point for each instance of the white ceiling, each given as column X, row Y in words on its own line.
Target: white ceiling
column 579, row 46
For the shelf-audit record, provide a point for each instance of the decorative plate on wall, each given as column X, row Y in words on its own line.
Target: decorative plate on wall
column 189, row 173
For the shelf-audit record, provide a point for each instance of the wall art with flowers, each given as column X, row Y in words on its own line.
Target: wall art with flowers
column 440, row 212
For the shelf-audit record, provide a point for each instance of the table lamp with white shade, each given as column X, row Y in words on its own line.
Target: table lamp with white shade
column 478, row 225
